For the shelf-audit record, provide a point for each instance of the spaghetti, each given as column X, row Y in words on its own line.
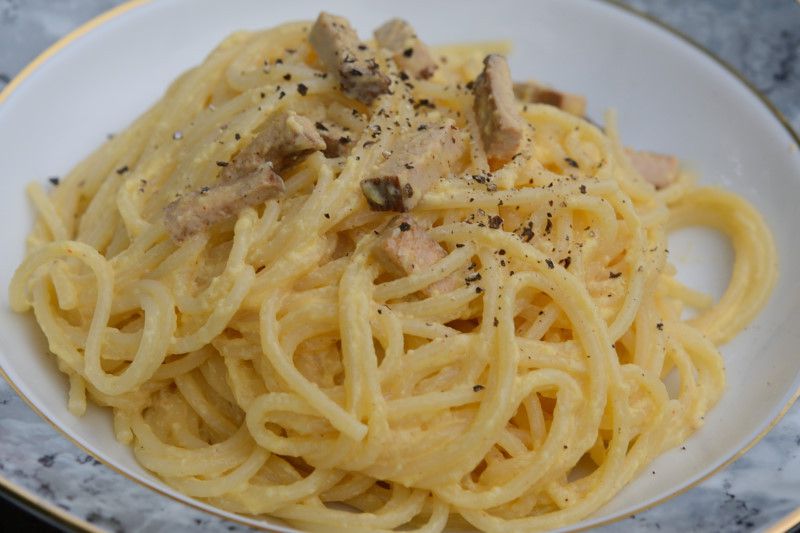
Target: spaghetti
column 273, row 364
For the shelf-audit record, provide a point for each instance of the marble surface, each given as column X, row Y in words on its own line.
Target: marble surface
column 760, row 38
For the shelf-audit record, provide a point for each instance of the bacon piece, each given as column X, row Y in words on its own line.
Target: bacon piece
column 418, row 160
column 410, row 54
column 343, row 54
column 500, row 123
column 199, row 210
column 249, row 179
column 659, row 169
column 286, row 139
column 535, row 93
column 405, row 248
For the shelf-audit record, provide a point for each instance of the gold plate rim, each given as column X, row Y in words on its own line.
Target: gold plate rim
column 27, row 498
column 73, row 521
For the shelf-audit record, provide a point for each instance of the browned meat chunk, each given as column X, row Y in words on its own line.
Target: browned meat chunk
column 285, row 139
column 417, row 161
column 199, row 210
column 534, row 93
column 410, row 54
column 405, row 247
column 500, row 123
column 249, row 180
column 343, row 54
column 659, row 169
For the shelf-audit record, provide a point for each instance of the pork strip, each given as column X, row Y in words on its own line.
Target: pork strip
column 248, row 180
column 410, row 54
column 659, row 169
column 199, row 210
column 350, row 60
column 535, row 93
column 501, row 125
column 417, row 161
column 405, row 248
column 286, row 138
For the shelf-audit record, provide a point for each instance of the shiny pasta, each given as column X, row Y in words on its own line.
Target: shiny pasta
column 272, row 366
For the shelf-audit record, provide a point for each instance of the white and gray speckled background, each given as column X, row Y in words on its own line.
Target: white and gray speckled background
column 760, row 38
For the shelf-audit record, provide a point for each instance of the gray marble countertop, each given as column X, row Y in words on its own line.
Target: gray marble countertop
column 759, row 38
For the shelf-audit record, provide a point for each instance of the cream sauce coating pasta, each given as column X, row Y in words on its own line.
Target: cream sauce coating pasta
column 273, row 366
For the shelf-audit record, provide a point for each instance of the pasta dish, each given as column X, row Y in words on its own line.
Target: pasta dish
column 370, row 284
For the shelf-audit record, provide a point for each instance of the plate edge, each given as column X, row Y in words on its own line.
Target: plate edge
column 131, row 4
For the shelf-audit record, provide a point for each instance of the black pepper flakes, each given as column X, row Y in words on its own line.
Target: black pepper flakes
column 122, row 170
column 287, row 76
column 320, row 126
column 327, row 215
column 496, row 322
column 527, row 232
column 495, row 221
column 571, row 162
column 660, row 326
column 408, row 52
column 302, row 89
column 404, row 226
column 473, row 277
column 222, row 163
column 550, row 263
column 583, row 189
column 614, row 275
column 237, row 136
column 478, row 388
column 55, row 180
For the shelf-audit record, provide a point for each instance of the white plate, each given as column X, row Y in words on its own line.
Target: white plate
column 670, row 96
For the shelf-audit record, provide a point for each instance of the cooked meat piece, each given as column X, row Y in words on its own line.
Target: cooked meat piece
column 417, row 161
column 659, row 169
column 286, row 138
column 405, row 247
column 534, row 93
column 338, row 141
column 500, row 123
column 410, row 54
column 199, row 210
column 249, row 179
column 343, row 54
